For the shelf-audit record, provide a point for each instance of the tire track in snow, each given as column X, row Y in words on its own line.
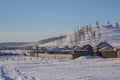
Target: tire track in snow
column 23, row 76
column 5, row 75
column 9, row 71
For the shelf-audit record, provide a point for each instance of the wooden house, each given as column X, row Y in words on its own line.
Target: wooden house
column 87, row 48
column 104, row 46
column 84, row 51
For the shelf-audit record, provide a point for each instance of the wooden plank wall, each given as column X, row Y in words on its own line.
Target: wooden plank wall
column 118, row 53
column 110, row 54
column 79, row 54
column 106, row 54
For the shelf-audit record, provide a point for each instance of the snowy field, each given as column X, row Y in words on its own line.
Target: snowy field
column 84, row 68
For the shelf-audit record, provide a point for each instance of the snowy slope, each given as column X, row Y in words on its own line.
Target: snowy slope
column 108, row 34
column 84, row 68
column 111, row 35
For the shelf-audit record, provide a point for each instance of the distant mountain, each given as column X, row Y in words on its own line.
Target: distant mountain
column 51, row 39
column 13, row 44
column 45, row 41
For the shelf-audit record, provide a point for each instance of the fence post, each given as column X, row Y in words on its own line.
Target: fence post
column 118, row 54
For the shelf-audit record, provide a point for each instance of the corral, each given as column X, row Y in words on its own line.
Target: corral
column 76, row 54
column 45, row 55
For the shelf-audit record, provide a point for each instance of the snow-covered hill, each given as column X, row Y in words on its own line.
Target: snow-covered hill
column 45, row 41
column 111, row 35
column 108, row 34
column 92, row 36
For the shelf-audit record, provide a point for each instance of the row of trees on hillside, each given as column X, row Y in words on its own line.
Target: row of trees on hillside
column 87, row 33
column 90, row 33
column 116, row 24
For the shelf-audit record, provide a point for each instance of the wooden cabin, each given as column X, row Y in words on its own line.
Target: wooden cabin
column 84, row 51
column 104, row 46
column 87, row 48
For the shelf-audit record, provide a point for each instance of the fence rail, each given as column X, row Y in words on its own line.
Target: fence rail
column 106, row 54
column 55, row 56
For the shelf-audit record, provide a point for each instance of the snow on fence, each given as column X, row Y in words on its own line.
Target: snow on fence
column 75, row 55
column 55, row 56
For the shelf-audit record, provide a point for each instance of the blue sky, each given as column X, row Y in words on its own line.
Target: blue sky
column 33, row 20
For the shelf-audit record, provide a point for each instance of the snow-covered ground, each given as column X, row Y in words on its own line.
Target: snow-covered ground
column 84, row 68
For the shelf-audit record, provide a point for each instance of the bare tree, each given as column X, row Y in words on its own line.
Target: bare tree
column 117, row 24
column 97, row 23
column 75, row 35
column 94, row 34
column 99, row 35
column 108, row 22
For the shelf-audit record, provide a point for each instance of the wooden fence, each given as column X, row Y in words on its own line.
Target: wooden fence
column 76, row 54
column 55, row 56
